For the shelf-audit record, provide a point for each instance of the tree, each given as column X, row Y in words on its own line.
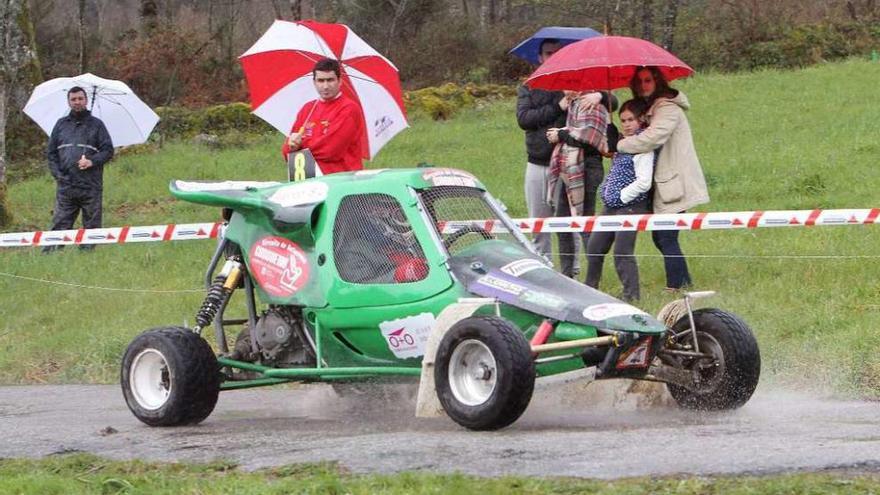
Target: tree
column 149, row 12
column 648, row 19
column 82, row 36
column 399, row 7
column 669, row 21
column 16, row 45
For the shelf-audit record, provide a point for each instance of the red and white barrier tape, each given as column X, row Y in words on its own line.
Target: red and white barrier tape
column 112, row 235
column 615, row 223
column 680, row 221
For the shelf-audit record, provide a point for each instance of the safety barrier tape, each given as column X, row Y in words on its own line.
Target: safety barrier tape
column 606, row 223
column 113, row 235
column 678, row 221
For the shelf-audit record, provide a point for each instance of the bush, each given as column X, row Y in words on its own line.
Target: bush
column 178, row 122
column 796, row 46
column 234, row 116
column 442, row 102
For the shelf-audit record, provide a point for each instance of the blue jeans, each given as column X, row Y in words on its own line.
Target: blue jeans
column 677, row 275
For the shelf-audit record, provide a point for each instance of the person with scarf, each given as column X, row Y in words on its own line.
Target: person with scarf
column 576, row 165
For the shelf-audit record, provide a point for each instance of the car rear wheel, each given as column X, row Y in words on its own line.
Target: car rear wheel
column 170, row 377
column 484, row 373
column 728, row 379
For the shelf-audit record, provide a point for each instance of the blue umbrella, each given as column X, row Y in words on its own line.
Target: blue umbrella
column 530, row 48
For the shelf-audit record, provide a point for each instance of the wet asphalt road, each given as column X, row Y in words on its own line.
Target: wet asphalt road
column 775, row 432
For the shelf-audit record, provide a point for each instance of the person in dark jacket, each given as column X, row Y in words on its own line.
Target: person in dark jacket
column 536, row 111
column 78, row 149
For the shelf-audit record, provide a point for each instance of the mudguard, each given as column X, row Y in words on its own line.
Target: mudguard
column 427, row 404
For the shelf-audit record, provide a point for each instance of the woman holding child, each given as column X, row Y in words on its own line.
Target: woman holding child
column 678, row 178
column 624, row 192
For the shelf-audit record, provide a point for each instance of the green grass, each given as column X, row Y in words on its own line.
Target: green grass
column 767, row 140
column 83, row 474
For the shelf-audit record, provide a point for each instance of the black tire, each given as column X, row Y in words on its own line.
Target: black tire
column 170, row 377
column 514, row 374
column 730, row 383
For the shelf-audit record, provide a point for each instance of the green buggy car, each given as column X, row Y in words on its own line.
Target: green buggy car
column 420, row 275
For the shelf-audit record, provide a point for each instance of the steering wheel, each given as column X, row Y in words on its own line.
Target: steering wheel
column 467, row 229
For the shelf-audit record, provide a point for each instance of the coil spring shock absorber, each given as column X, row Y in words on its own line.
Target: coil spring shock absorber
column 224, row 283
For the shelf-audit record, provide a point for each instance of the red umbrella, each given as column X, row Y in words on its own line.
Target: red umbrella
column 279, row 66
column 604, row 62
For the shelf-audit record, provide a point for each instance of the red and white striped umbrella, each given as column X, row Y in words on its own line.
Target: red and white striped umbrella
column 278, row 68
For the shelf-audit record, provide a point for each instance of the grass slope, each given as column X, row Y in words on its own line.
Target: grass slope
column 768, row 140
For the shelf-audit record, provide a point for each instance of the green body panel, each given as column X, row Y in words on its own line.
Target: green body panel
column 350, row 321
column 351, row 336
column 573, row 331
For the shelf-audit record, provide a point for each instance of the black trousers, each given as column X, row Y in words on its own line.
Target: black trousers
column 69, row 202
column 624, row 248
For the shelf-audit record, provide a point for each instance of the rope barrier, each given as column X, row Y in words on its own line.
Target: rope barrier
column 768, row 257
column 607, row 223
column 94, row 287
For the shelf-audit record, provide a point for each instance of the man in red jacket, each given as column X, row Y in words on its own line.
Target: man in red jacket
column 331, row 127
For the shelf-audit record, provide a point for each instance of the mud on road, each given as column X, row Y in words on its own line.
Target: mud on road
column 561, row 434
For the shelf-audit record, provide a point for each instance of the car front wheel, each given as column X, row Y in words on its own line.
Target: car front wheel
column 170, row 377
column 484, row 373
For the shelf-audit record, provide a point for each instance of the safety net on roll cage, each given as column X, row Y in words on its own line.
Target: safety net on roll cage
column 372, row 238
column 463, row 217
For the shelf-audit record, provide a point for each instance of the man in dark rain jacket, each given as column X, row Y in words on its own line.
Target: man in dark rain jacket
column 78, row 149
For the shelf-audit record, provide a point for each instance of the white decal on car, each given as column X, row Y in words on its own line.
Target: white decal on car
column 494, row 282
column 544, row 299
column 299, row 194
column 599, row 312
column 521, row 267
column 407, row 337
column 229, row 185
column 449, row 177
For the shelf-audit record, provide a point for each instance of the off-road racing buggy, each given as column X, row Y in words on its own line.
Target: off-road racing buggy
column 419, row 274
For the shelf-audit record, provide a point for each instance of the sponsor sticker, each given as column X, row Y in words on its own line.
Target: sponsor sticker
column 449, row 177
column 370, row 172
column 521, row 267
column 599, row 312
column 381, row 125
column 635, row 357
column 407, row 337
column 300, row 194
column 279, row 266
column 229, row 185
column 544, row 299
column 497, row 283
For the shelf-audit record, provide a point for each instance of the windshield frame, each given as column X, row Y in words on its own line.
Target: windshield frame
column 494, row 206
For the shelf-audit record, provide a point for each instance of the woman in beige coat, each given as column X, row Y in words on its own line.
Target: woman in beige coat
column 678, row 178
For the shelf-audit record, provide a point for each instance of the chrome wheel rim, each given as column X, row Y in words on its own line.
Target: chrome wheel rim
column 472, row 373
column 150, row 379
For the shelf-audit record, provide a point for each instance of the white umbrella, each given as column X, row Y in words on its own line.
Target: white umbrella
column 128, row 119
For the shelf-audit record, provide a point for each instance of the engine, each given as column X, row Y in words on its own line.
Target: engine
column 281, row 339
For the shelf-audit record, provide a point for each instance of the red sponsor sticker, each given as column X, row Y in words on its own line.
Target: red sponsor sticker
column 279, row 266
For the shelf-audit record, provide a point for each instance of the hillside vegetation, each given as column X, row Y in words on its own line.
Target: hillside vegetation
column 768, row 140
